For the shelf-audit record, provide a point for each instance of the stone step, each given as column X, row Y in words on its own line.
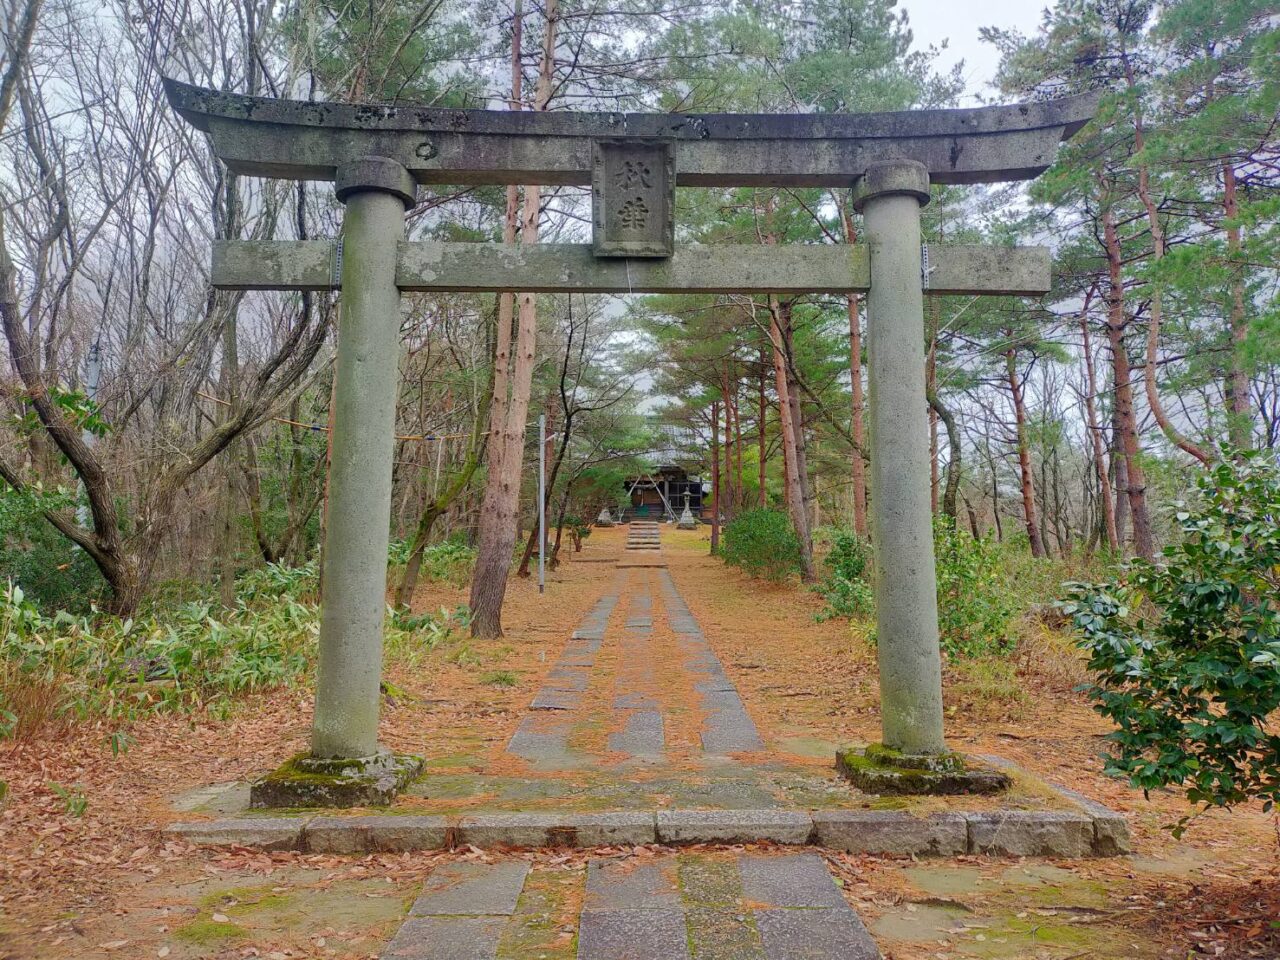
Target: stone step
column 1082, row 832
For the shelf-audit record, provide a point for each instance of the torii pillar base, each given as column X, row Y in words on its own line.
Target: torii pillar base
column 886, row 772
column 307, row 781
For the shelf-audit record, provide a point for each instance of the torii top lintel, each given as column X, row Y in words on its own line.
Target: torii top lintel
column 308, row 140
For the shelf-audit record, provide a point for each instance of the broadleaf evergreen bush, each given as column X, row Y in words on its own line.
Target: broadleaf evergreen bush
column 1185, row 651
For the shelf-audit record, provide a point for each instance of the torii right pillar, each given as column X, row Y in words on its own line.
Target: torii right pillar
column 913, row 756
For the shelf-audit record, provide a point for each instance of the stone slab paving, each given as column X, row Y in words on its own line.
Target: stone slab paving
column 799, row 880
column 624, row 885
column 633, row 935
column 642, row 737
column 680, row 907
column 632, row 911
column 461, row 914
column 447, row 938
column 728, row 728
column 748, row 908
column 554, row 698
column 542, row 738
column 464, row 889
column 639, row 732
column 837, row 934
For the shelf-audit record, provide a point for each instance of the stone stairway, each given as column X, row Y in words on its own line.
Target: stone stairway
column 643, row 535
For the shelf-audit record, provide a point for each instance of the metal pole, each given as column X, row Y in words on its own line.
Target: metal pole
column 542, row 503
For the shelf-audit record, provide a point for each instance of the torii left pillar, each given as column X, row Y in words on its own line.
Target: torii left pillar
column 346, row 767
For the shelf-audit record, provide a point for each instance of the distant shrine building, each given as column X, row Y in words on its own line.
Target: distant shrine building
column 660, row 495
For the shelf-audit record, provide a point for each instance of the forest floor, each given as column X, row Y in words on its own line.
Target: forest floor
column 84, row 871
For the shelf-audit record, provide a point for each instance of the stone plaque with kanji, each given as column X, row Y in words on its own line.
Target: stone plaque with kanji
column 633, row 198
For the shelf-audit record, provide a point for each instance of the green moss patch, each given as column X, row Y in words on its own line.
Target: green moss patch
column 306, row 781
column 205, row 932
column 881, row 770
column 243, row 901
column 544, row 923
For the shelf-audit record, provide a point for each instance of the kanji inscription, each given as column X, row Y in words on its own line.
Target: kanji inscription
column 633, row 198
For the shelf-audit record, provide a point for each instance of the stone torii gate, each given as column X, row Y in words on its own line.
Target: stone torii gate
column 377, row 155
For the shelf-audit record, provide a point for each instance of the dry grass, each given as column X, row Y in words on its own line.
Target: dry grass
column 34, row 707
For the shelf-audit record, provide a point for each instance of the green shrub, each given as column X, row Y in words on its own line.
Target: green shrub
column 850, row 555
column 1185, row 652
column 975, row 608
column 846, row 589
column 844, row 598
column 763, row 543
column 579, row 530
column 410, row 635
column 53, row 573
column 275, row 580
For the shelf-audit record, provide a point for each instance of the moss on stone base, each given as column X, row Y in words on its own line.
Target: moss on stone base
column 882, row 770
column 306, row 781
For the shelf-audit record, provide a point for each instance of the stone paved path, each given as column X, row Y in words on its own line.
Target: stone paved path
column 641, row 690
column 542, row 736
column 691, row 906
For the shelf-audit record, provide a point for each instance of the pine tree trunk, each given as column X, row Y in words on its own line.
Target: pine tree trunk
column 762, row 422
column 1095, row 433
column 954, row 463
column 793, row 488
column 1239, row 407
column 715, row 478
column 499, row 516
column 797, row 425
column 1024, row 457
column 1119, row 479
column 1156, row 308
column 739, row 486
column 1126, row 419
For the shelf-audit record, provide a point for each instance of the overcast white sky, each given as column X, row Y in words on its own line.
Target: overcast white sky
column 958, row 22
